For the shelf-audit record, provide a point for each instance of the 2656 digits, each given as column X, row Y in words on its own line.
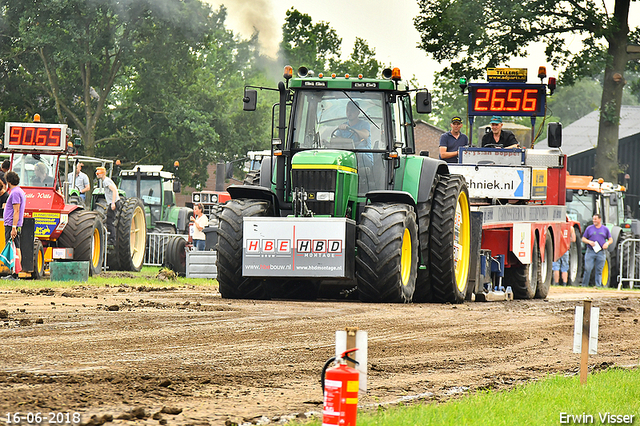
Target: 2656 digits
column 38, row 418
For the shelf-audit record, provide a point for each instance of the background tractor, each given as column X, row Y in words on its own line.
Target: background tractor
column 341, row 212
column 589, row 196
column 50, row 222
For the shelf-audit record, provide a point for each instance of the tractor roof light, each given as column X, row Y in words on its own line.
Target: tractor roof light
column 463, row 84
column 333, row 75
column 552, row 84
column 346, row 75
column 395, row 74
column 36, row 118
column 360, row 76
column 288, row 72
column 542, row 73
column 386, row 73
column 600, row 181
column 320, row 75
column 176, row 163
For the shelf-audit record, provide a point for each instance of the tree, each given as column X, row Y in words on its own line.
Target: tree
column 75, row 52
column 475, row 34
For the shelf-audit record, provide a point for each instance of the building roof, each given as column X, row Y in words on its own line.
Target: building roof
column 582, row 135
column 430, row 125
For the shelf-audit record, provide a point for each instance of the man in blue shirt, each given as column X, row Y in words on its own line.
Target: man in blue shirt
column 452, row 140
column 597, row 237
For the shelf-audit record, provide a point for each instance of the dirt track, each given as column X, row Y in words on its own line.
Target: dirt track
column 209, row 361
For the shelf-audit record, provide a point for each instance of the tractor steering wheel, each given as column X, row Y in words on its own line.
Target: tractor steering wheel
column 351, row 130
column 493, row 145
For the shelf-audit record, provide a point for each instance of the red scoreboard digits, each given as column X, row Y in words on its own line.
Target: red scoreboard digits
column 35, row 136
column 506, row 99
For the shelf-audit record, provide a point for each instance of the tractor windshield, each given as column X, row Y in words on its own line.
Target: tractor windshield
column 37, row 170
column 338, row 120
column 582, row 208
column 150, row 190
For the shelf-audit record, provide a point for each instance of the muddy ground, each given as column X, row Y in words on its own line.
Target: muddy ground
column 184, row 356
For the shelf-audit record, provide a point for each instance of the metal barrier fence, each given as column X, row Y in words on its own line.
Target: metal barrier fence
column 629, row 261
column 156, row 245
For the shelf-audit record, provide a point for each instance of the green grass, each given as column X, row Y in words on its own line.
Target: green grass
column 616, row 391
column 146, row 277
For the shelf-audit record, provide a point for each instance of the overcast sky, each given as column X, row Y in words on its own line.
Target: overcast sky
column 386, row 26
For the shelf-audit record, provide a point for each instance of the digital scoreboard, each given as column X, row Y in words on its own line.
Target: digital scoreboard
column 35, row 137
column 510, row 99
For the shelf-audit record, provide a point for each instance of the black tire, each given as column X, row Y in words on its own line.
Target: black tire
column 101, row 208
column 575, row 259
column 450, row 240
column 252, row 178
column 38, row 260
column 387, row 261
column 615, row 258
column 422, row 292
column 524, row 279
column 231, row 283
column 175, row 255
column 76, row 200
column 546, row 271
column 84, row 233
column 131, row 235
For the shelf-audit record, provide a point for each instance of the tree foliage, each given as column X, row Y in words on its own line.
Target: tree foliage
column 476, row 34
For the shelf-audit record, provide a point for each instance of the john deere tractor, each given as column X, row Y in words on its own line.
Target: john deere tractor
column 346, row 207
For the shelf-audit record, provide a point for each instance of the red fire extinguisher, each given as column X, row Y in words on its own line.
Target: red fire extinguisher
column 340, row 385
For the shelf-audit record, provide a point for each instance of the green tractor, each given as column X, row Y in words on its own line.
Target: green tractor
column 346, row 207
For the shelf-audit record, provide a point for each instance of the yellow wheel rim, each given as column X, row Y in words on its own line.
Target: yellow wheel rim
column 605, row 273
column 95, row 248
column 40, row 262
column 462, row 241
column 405, row 258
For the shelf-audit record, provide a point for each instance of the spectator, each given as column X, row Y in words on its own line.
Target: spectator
column 14, row 214
column 562, row 264
column 598, row 239
column 452, row 140
column 4, row 168
column 4, row 193
column 79, row 181
column 200, row 222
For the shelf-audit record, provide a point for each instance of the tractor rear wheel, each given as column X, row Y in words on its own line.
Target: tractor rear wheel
column 387, row 261
column 76, row 200
column 85, row 235
column 38, row 260
column 175, row 254
column 524, row 279
column 575, row 259
column 423, row 281
column 131, row 234
column 230, row 280
column 546, row 272
column 450, row 245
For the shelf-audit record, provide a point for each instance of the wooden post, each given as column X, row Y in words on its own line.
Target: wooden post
column 351, row 343
column 584, row 357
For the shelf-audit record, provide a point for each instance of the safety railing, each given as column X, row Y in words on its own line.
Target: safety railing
column 629, row 261
column 156, row 246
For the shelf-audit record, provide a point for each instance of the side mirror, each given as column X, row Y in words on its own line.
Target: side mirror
column 228, row 171
column 554, row 135
column 176, row 186
column 569, row 196
column 250, row 100
column 423, row 102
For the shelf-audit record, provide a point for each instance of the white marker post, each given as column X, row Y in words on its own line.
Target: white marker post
column 351, row 338
column 585, row 336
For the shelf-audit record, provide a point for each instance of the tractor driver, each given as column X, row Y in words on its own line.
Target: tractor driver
column 498, row 137
column 41, row 179
column 357, row 129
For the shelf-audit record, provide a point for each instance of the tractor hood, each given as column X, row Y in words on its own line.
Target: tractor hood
column 325, row 159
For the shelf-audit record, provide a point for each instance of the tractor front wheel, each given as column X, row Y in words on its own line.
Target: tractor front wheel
column 546, row 272
column 230, row 280
column 38, row 260
column 387, row 261
column 176, row 255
